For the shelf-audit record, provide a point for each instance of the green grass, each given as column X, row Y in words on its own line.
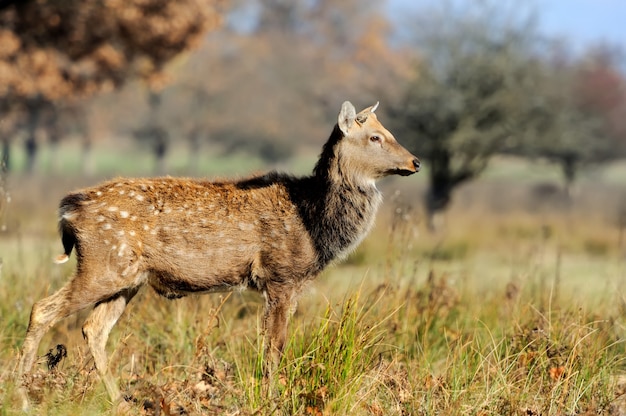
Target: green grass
column 131, row 159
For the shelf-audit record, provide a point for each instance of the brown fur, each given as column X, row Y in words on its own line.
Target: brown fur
column 268, row 233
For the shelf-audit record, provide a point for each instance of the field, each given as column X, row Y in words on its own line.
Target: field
column 517, row 306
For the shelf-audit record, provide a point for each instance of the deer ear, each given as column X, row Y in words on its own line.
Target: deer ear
column 346, row 118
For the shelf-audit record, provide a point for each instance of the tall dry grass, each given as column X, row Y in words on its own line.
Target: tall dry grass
column 504, row 311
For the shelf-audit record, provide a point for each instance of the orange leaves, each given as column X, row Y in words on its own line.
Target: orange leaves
column 310, row 410
column 58, row 50
column 556, row 373
column 9, row 43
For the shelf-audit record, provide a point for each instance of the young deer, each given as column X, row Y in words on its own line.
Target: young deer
column 269, row 233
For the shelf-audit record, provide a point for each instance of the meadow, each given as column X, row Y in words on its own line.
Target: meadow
column 517, row 306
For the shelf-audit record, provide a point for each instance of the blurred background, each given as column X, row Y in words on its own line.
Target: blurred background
column 511, row 105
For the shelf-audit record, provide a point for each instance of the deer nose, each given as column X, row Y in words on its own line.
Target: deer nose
column 417, row 164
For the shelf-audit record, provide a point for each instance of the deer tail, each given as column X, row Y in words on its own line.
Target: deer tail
column 68, row 211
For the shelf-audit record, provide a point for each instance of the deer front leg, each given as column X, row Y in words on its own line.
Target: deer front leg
column 278, row 308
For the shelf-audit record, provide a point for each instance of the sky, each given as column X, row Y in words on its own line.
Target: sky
column 583, row 22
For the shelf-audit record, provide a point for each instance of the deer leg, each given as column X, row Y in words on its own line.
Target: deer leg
column 43, row 316
column 278, row 309
column 96, row 331
column 71, row 298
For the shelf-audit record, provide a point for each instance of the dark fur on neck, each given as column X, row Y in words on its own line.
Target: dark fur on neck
column 336, row 213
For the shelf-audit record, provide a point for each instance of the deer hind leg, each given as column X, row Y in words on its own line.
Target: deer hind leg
column 82, row 291
column 96, row 331
column 45, row 313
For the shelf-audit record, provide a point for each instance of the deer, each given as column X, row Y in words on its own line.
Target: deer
column 270, row 233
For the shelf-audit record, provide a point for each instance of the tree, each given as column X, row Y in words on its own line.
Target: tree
column 304, row 56
column 475, row 68
column 54, row 51
column 601, row 91
column 568, row 120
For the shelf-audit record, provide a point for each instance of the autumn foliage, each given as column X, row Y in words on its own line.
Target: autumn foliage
column 52, row 50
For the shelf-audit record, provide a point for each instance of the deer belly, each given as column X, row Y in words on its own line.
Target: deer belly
column 209, row 270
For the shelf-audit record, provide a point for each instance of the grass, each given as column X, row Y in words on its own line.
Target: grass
column 509, row 312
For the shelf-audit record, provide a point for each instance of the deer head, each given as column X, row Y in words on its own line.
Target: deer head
column 368, row 150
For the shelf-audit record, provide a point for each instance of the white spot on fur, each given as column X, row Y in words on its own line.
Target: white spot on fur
column 120, row 252
column 68, row 215
column 139, row 197
column 100, row 218
column 120, row 233
column 245, row 226
column 124, row 214
column 107, row 242
column 106, row 226
column 99, row 193
column 112, row 209
column 122, row 192
column 132, row 233
column 145, row 227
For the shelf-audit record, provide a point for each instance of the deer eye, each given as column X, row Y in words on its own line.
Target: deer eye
column 375, row 139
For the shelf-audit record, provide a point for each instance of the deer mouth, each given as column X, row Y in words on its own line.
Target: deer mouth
column 402, row 171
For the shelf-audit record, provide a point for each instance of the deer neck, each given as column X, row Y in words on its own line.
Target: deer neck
column 345, row 206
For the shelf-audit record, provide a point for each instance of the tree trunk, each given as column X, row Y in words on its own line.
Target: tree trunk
column 5, row 161
column 440, row 190
column 194, row 152
column 160, row 150
column 443, row 180
column 87, row 162
column 31, row 147
column 569, row 166
column 159, row 163
column 54, row 138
